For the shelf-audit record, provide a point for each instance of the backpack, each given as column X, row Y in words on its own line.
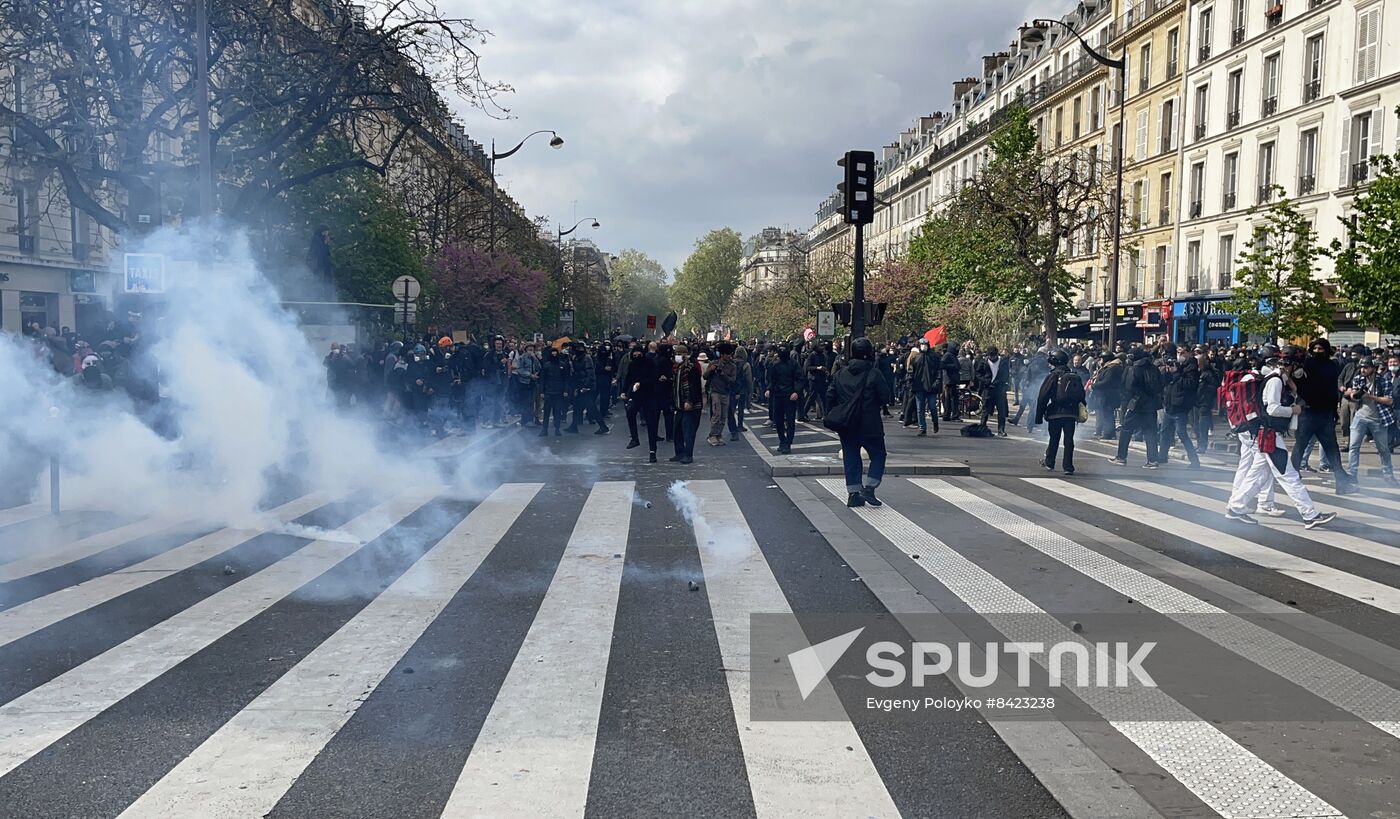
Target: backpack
column 1069, row 389
column 1241, row 394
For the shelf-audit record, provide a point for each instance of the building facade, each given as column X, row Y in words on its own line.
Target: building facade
column 769, row 257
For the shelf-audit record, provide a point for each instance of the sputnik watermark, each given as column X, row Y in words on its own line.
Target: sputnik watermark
column 1067, row 663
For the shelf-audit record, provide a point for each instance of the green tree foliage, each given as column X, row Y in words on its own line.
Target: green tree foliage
column 1031, row 203
column 988, row 320
column 706, row 282
column 904, row 286
column 1276, row 289
column 638, row 291
column 962, row 254
column 1368, row 266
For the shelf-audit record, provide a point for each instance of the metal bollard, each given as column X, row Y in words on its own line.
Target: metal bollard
column 53, row 484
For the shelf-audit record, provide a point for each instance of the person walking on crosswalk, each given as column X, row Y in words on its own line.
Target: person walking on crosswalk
column 784, row 378
column 689, row 396
column 1263, row 458
column 1061, row 396
column 854, row 399
column 1142, row 394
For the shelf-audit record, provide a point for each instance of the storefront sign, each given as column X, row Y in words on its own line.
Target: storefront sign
column 143, row 273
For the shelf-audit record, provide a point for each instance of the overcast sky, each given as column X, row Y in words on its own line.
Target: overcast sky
column 681, row 116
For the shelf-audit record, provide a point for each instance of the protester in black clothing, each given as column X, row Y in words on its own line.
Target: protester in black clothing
column 637, row 389
column 951, row 372
column 1108, row 396
column 992, row 374
column 1142, row 396
column 1061, row 395
column 554, row 386
column 818, row 369
column 1179, row 392
column 925, row 379
column 782, row 394
column 1318, row 418
column 856, row 382
column 688, row 396
column 1204, row 412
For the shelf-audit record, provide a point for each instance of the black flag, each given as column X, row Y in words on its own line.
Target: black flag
column 669, row 323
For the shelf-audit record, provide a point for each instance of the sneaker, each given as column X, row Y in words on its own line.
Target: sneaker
column 1194, row 465
column 1117, row 461
column 733, row 436
column 1242, row 517
column 687, row 460
column 674, row 459
column 1048, row 467
column 855, row 499
column 557, row 433
column 1271, row 511
column 1321, row 520
column 1150, row 465
column 633, row 444
column 601, row 431
column 1069, row 472
column 868, row 493
column 1389, row 480
column 1325, row 468
column 1307, row 468
column 651, row 458
column 922, row 433
column 1002, row 434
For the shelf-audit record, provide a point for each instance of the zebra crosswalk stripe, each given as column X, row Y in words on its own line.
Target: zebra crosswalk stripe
column 1324, row 677
column 43, row 715
column 1221, row 773
column 1337, row 540
column 534, row 753
column 1367, row 518
column 1316, row 574
column 19, row 514
column 251, row 761
column 29, row 617
column 789, row 763
column 55, row 555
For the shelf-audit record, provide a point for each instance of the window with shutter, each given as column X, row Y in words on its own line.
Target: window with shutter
column 1377, row 127
column 1368, row 30
column 1141, row 152
column 1344, row 178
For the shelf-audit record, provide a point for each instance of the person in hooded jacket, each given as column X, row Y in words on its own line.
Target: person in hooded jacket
column 951, row 372
column 1183, row 380
column 637, row 378
column 784, row 379
column 925, row 380
column 1108, row 396
column 1057, row 406
column 1204, row 411
column 582, row 380
column 554, row 387
column 688, row 397
column 858, row 382
column 1142, row 398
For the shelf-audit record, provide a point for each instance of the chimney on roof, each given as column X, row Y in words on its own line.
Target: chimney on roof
column 962, row 86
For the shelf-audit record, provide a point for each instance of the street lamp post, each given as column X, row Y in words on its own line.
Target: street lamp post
column 1121, row 66
column 565, row 296
column 555, row 142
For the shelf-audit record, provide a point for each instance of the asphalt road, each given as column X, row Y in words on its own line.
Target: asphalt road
column 569, row 633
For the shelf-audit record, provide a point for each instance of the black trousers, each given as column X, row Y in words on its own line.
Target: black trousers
column 687, row 427
column 995, row 399
column 816, row 396
column 1174, row 426
column 583, row 407
column 1324, row 428
column 651, row 413
column 785, row 419
column 1060, row 429
column 634, row 408
column 1144, row 422
column 558, row 406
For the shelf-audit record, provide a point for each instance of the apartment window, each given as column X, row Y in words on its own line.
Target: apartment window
column 1266, row 172
column 1198, row 186
column 1093, row 163
column 1202, row 110
column 1237, row 22
column 1205, row 33
column 1193, row 265
column 1159, row 270
column 1116, row 141
column 1235, row 98
column 1167, row 126
column 38, row 308
column 79, row 230
column 1078, row 116
column 1273, row 13
column 1231, row 182
column 1145, row 67
column 26, row 217
column 1059, row 126
column 1361, row 140
column 1227, row 261
column 1173, row 49
column 1095, row 109
column 1139, row 202
column 1164, row 200
column 1368, row 43
column 1312, row 67
column 1307, row 162
column 1141, row 152
column 1093, row 232
column 1139, row 283
column 1268, row 106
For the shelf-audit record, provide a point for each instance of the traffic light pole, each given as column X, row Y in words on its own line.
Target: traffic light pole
column 858, row 297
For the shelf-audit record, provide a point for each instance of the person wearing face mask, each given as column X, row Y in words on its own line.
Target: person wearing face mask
column 554, row 387
column 925, row 381
column 1371, row 393
column 638, row 380
column 526, row 374
column 1317, row 423
column 688, row 397
column 859, row 391
column 782, row 394
column 1182, row 380
column 993, row 376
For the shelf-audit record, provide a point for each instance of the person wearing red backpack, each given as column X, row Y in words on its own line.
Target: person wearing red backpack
column 1264, row 417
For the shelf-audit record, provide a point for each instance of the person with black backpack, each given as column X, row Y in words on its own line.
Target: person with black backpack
column 1059, row 405
column 856, row 393
column 1142, row 394
column 1183, row 379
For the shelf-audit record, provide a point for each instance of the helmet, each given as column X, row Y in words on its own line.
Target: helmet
column 862, row 348
column 1268, row 353
column 1367, row 362
column 1292, row 355
column 1058, row 358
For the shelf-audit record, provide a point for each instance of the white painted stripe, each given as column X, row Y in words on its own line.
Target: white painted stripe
column 19, row 514
column 1337, row 581
column 1218, row 770
column 32, row 722
column 250, row 762
column 1351, row 514
column 42, row 612
column 534, row 755
column 1292, row 524
column 815, row 444
column 51, row 556
column 1322, row 676
column 790, row 764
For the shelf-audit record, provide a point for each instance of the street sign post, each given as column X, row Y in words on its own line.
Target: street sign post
column 566, row 322
column 406, row 288
column 826, row 324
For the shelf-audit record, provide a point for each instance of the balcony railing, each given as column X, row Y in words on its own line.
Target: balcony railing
column 1266, row 193
column 1165, row 216
column 1228, row 201
column 1269, row 106
column 1360, row 172
column 1306, row 185
column 1193, row 281
column 1225, row 279
column 1200, row 131
column 1312, row 91
column 1273, row 16
column 27, row 244
column 1203, row 53
column 1196, row 209
column 80, row 251
column 1232, row 120
column 1173, row 68
column 1236, row 36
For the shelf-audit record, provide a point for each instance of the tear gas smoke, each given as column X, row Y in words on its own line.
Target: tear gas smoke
column 723, row 546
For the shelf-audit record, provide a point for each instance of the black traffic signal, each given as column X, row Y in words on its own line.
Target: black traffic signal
column 858, row 187
column 875, row 313
column 842, row 309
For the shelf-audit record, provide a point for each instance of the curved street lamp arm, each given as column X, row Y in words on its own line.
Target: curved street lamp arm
column 1118, row 64
column 521, row 144
column 564, row 233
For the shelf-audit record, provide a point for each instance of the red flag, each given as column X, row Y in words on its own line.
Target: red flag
column 936, row 336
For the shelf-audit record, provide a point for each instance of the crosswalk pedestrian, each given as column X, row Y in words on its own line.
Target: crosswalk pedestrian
column 1003, row 549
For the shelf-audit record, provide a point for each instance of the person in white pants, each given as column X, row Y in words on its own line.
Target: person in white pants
column 1257, row 471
